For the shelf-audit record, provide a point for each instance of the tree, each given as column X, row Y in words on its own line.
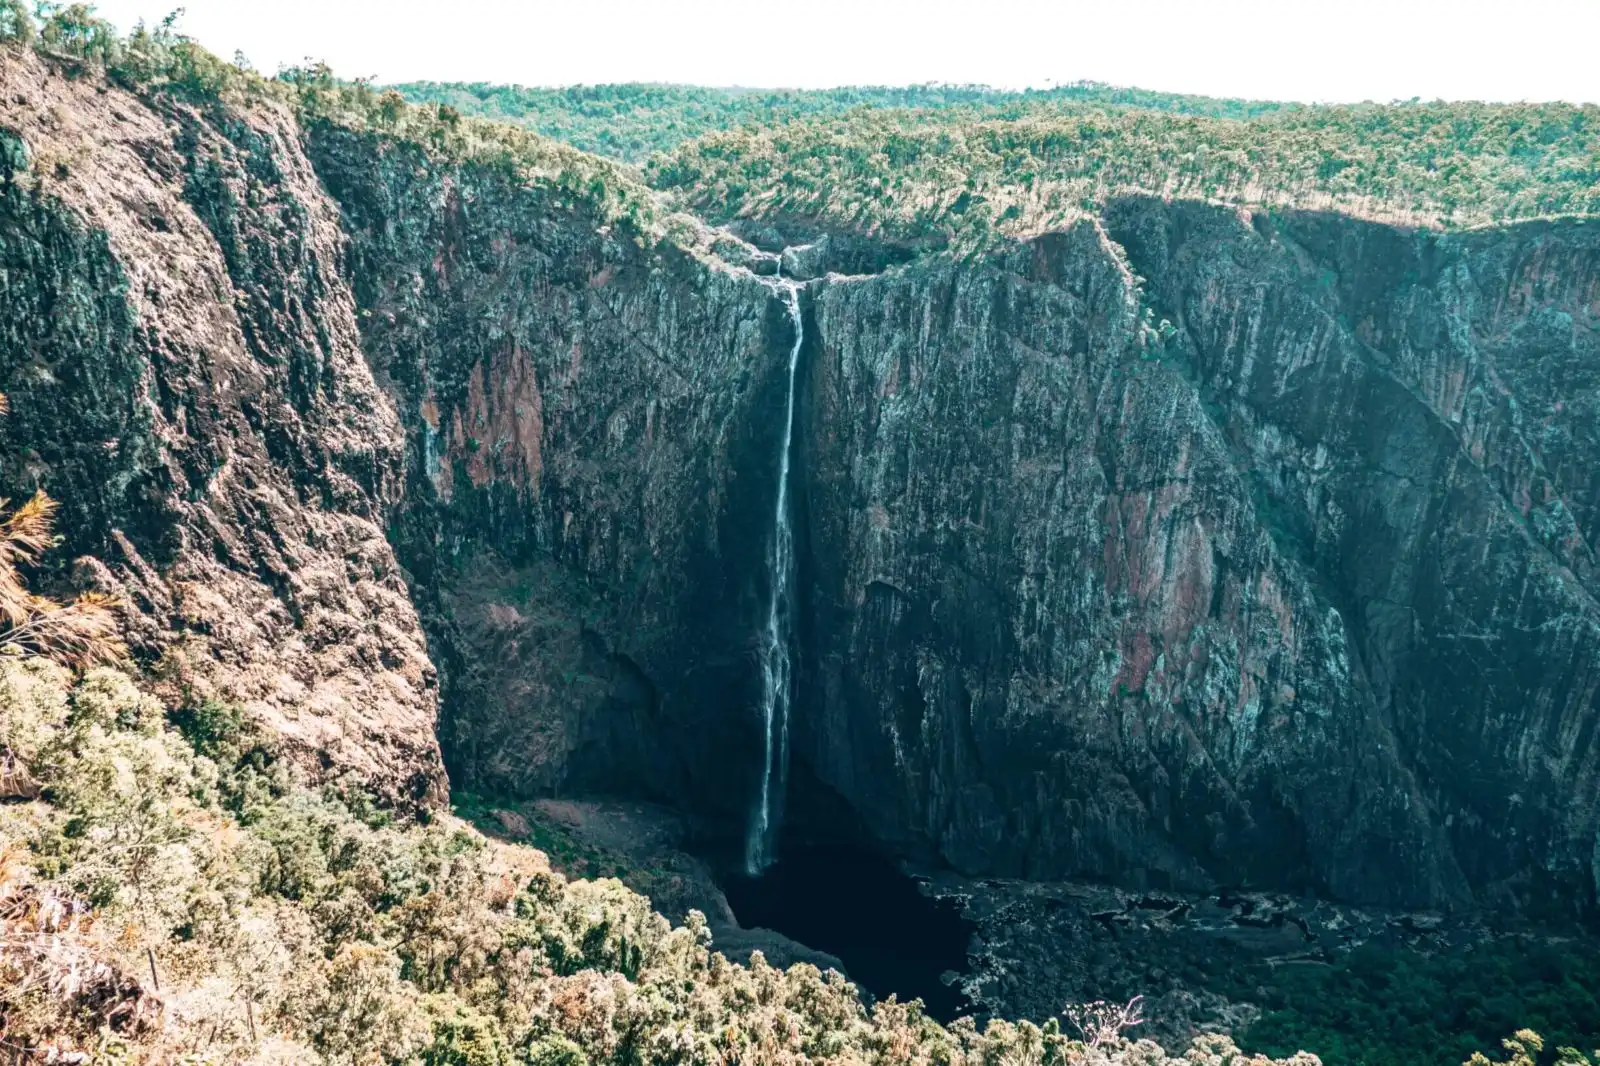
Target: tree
column 1101, row 1024
column 75, row 30
column 15, row 25
column 1524, row 1048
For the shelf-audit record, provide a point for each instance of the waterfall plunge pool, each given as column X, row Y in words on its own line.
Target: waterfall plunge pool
column 859, row 906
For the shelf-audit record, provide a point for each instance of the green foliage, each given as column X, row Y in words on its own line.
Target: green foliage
column 1523, row 1049
column 962, row 176
column 284, row 920
column 16, row 27
column 158, row 60
column 1378, row 1007
column 938, row 165
column 568, row 852
column 213, row 727
column 163, row 64
column 143, row 846
column 75, row 30
column 608, row 190
column 554, row 1051
column 966, row 164
column 634, row 121
column 462, row 1036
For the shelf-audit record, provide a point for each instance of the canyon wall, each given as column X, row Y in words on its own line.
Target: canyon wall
column 180, row 351
column 593, row 434
column 1193, row 549
column 1184, row 547
column 350, row 429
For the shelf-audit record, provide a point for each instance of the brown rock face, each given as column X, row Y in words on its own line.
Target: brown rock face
column 592, row 448
column 185, row 374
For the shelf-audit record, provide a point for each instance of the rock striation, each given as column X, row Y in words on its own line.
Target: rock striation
column 178, row 342
column 591, row 426
column 1190, row 548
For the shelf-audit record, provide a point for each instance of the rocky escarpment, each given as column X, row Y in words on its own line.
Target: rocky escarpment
column 185, row 374
column 292, row 379
column 593, row 427
column 1272, row 569
column 1182, row 548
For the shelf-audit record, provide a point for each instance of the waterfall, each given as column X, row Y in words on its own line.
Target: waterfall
column 776, row 661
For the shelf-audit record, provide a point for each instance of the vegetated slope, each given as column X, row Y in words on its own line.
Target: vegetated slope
column 635, row 120
column 963, row 177
column 171, row 890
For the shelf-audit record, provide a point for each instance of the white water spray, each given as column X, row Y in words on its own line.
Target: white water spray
column 776, row 663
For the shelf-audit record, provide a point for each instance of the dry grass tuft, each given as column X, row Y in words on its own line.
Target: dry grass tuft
column 82, row 633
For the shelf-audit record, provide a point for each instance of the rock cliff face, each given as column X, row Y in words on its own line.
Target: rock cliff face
column 593, row 432
column 1294, row 588
column 1182, row 548
column 185, row 375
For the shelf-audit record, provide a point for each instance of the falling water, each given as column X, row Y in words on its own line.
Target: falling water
column 776, row 664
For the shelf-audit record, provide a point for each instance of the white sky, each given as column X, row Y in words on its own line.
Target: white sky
column 1330, row 50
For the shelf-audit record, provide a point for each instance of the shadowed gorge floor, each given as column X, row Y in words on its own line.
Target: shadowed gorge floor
column 859, row 906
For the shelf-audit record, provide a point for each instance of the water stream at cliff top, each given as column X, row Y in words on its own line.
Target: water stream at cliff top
column 776, row 656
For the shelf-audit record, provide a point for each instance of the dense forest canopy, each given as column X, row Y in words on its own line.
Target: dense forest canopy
column 635, row 120
column 961, row 164
column 963, row 176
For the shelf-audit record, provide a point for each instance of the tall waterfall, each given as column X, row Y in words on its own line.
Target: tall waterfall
column 777, row 666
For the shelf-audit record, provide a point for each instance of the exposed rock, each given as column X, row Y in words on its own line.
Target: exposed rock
column 1300, row 597
column 592, row 457
column 738, row 253
column 806, row 261
column 185, row 375
column 1275, row 569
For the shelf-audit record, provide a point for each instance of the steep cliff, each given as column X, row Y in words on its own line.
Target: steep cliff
column 292, row 377
column 1269, row 567
column 185, row 374
column 592, row 441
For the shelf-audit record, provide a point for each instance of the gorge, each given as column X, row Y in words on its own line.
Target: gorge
column 1190, row 550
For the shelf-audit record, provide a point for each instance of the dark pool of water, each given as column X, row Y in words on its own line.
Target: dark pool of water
column 862, row 908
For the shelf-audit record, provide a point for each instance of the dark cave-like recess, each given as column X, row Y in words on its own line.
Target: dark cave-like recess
column 834, row 890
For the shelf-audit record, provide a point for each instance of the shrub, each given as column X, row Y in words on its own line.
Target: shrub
column 294, row 923
column 16, row 28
